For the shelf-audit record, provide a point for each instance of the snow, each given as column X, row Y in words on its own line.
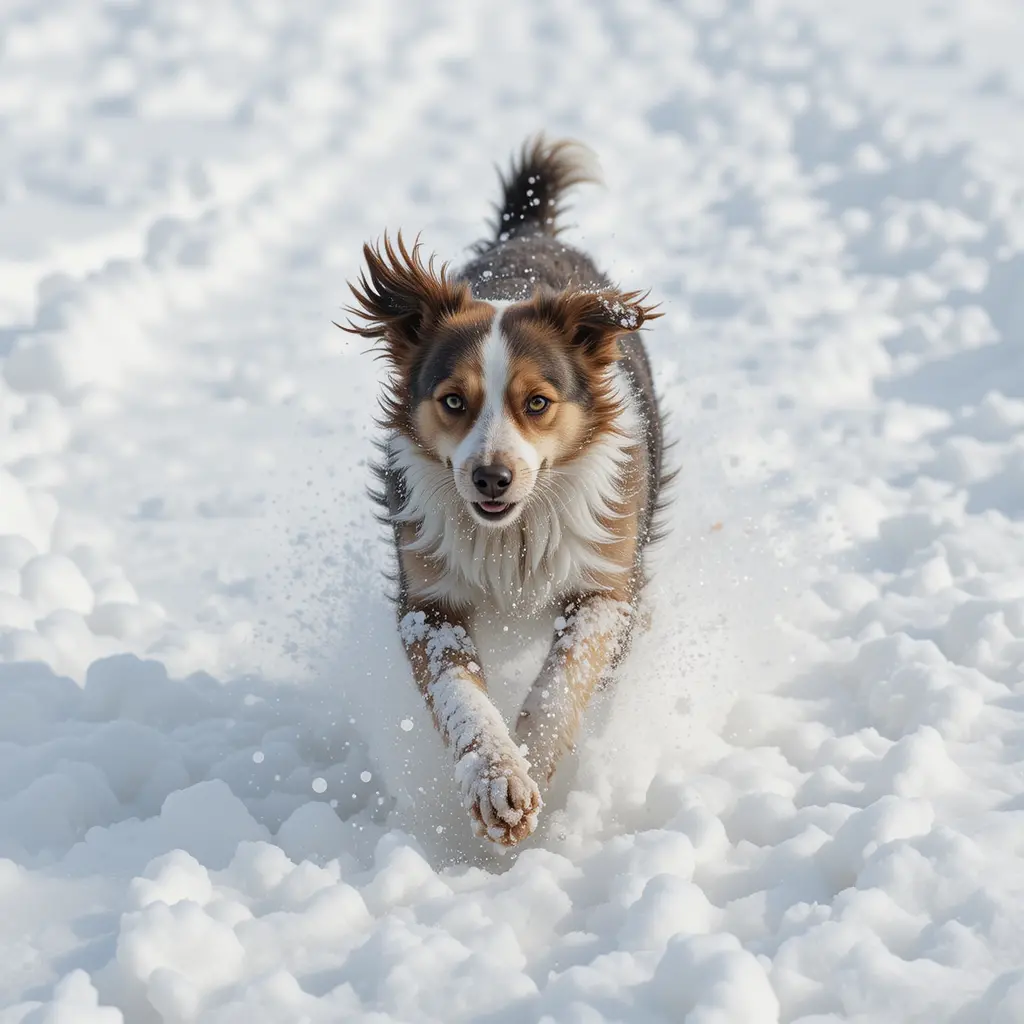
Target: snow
column 222, row 798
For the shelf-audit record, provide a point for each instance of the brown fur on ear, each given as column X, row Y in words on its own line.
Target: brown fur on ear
column 591, row 324
column 595, row 320
column 399, row 297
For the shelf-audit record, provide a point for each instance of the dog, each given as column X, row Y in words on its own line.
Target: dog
column 521, row 469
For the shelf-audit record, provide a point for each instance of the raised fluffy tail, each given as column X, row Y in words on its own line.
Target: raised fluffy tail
column 533, row 189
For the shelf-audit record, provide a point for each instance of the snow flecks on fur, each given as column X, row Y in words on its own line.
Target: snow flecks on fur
column 625, row 316
column 588, row 639
column 491, row 773
column 590, row 620
column 464, row 714
column 438, row 640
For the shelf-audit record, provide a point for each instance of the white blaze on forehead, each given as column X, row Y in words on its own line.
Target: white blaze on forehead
column 494, row 436
column 494, row 360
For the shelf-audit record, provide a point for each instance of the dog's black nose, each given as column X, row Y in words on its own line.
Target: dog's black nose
column 492, row 481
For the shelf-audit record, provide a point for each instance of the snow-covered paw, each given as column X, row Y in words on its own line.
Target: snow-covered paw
column 500, row 795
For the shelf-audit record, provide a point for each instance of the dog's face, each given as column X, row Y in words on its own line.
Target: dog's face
column 502, row 394
column 499, row 395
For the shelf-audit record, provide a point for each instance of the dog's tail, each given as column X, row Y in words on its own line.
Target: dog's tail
column 536, row 183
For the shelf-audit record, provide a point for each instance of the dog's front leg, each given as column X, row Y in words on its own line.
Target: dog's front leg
column 589, row 636
column 492, row 774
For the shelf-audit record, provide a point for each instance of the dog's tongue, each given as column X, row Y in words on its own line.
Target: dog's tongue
column 494, row 506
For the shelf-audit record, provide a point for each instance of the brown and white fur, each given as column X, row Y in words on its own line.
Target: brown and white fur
column 521, row 469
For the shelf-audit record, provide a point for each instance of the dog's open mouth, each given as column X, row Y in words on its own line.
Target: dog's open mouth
column 493, row 510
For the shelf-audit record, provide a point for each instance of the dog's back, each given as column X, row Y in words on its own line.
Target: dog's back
column 526, row 253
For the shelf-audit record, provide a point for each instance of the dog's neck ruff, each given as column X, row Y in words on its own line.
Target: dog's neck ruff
column 551, row 550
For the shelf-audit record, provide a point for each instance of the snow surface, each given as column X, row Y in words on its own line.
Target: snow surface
column 219, row 794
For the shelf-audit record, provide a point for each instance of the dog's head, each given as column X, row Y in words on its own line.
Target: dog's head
column 500, row 393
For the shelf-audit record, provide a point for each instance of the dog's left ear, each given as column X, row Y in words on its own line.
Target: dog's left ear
column 594, row 321
column 399, row 298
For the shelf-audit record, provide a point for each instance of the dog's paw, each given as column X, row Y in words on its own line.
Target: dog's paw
column 499, row 794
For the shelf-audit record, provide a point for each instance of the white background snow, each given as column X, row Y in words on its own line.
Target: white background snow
column 804, row 799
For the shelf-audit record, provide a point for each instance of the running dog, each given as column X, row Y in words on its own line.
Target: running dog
column 521, row 469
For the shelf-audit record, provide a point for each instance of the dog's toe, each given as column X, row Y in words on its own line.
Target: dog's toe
column 502, row 798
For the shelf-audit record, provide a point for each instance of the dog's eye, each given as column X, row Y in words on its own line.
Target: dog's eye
column 454, row 403
column 536, row 405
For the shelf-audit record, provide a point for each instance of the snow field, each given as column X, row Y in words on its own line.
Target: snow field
column 219, row 794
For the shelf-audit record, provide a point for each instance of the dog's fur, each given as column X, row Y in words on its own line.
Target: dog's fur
column 521, row 468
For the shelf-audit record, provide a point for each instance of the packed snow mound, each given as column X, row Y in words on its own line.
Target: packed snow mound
column 221, row 799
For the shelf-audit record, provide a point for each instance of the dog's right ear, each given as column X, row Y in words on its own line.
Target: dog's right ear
column 399, row 298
